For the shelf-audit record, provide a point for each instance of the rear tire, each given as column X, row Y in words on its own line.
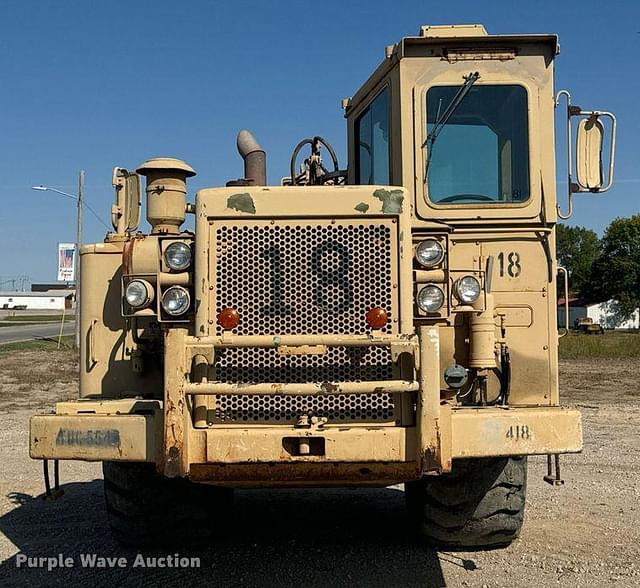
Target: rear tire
column 480, row 504
column 145, row 509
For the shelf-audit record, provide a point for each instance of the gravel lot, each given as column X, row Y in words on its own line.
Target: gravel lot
column 582, row 534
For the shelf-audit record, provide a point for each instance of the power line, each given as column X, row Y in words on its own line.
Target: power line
column 67, row 195
column 94, row 213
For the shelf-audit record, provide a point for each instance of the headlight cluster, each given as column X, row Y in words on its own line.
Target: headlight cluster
column 430, row 254
column 174, row 300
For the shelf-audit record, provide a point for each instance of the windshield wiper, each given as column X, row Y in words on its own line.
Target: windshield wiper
column 442, row 119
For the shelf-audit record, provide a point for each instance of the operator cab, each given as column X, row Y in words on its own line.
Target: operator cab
column 463, row 120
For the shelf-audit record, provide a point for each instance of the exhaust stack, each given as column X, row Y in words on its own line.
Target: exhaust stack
column 254, row 156
column 166, row 192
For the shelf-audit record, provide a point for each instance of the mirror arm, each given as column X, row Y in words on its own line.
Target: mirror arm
column 612, row 155
column 576, row 187
column 569, row 213
column 117, row 211
column 566, row 302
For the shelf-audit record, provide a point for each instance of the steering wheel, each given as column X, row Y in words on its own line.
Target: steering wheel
column 317, row 172
column 458, row 197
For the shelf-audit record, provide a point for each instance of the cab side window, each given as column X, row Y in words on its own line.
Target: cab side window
column 372, row 134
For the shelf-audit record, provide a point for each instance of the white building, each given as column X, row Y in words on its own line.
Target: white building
column 607, row 314
column 33, row 300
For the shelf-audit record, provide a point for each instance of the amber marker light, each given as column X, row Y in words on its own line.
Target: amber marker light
column 377, row 317
column 228, row 318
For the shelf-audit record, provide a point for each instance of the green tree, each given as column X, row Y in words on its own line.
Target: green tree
column 616, row 273
column 578, row 248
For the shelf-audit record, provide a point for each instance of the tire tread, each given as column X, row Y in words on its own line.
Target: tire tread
column 479, row 505
column 145, row 509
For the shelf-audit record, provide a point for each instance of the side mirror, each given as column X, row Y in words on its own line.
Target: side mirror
column 591, row 173
column 589, row 143
column 125, row 213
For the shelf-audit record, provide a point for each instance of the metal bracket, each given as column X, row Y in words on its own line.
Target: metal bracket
column 307, row 421
column 57, row 492
column 397, row 349
column 195, row 349
column 551, row 478
column 302, row 349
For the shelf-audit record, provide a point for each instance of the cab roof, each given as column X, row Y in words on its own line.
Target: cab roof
column 444, row 38
column 461, row 35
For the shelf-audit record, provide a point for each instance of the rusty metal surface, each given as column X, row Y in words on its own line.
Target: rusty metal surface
column 353, row 340
column 304, row 474
column 114, row 407
column 326, row 389
column 428, row 401
column 175, row 457
column 266, row 445
column 283, row 403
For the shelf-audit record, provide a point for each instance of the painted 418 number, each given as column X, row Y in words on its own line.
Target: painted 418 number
column 518, row 432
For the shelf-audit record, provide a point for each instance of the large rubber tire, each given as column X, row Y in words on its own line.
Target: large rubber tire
column 480, row 504
column 145, row 509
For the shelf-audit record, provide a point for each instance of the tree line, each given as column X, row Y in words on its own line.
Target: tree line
column 603, row 269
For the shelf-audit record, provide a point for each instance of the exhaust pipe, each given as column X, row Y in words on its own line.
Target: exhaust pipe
column 254, row 156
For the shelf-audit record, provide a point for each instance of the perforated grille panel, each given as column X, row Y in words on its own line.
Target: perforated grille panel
column 301, row 279
column 304, row 278
column 245, row 408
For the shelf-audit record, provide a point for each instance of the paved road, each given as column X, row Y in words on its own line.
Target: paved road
column 27, row 332
column 9, row 312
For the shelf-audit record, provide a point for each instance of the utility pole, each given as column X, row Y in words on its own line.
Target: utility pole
column 79, row 198
column 77, row 256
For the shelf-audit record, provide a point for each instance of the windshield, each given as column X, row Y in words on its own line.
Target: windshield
column 481, row 155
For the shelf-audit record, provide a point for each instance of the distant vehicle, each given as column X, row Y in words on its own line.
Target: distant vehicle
column 391, row 322
column 586, row 325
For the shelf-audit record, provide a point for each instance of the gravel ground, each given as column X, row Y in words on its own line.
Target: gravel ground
column 582, row 534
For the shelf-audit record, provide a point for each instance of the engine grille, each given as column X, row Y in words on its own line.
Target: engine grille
column 287, row 409
column 313, row 277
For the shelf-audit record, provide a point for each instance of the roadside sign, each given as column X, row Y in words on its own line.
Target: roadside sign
column 66, row 262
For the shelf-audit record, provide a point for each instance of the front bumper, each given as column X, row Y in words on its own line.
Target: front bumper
column 164, row 432
column 117, row 431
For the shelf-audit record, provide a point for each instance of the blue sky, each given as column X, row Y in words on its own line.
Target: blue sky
column 89, row 84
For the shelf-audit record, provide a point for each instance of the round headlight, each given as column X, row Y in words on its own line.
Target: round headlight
column 467, row 289
column 138, row 293
column 178, row 256
column 176, row 300
column 429, row 253
column 430, row 298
